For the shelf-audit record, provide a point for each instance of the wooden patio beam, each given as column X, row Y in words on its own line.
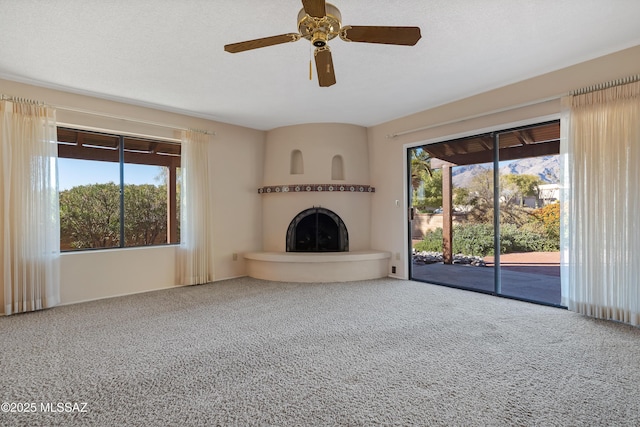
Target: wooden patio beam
column 447, row 214
column 108, row 155
column 512, row 153
column 172, row 204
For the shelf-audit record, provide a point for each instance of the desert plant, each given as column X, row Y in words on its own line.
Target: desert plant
column 549, row 216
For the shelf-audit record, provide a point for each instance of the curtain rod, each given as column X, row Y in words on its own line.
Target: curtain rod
column 600, row 86
column 471, row 117
column 605, row 85
column 5, row 97
column 145, row 122
column 10, row 98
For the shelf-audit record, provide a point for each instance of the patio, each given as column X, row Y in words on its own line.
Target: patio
column 533, row 276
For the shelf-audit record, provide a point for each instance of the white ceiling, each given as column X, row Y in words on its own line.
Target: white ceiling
column 169, row 53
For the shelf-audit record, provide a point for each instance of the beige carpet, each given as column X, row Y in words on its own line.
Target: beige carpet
column 384, row 352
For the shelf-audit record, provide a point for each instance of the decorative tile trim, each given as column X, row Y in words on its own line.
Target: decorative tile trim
column 307, row 188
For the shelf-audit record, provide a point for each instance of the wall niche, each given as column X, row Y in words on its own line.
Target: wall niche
column 337, row 168
column 297, row 163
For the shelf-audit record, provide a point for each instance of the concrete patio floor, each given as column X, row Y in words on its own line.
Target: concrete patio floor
column 533, row 276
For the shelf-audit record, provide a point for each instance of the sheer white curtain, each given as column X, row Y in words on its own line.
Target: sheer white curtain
column 195, row 253
column 29, row 215
column 601, row 226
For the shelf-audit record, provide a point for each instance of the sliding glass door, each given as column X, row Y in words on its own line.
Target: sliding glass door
column 484, row 212
column 529, row 226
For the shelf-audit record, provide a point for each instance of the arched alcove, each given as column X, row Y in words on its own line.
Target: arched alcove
column 297, row 163
column 337, row 168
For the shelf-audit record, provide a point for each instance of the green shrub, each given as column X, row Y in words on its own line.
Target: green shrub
column 523, row 239
column 477, row 239
column 432, row 242
column 473, row 239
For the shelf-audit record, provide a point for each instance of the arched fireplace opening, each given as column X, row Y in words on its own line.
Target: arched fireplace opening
column 317, row 230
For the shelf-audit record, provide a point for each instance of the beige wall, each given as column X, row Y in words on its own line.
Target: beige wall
column 90, row 275
column 238, row 208
column 521, row 103
column 423, row 223
column 318, row 143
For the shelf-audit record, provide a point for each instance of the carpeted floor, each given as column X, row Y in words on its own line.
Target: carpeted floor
column 383, row 352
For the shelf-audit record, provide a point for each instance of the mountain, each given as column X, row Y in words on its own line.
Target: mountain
column 463, row 175
column 547, row 168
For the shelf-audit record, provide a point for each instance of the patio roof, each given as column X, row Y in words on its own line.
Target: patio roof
column 514, row 144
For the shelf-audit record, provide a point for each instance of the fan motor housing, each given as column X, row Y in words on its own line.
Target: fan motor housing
column 320, row 30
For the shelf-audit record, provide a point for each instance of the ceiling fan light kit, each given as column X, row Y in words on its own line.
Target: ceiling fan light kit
column 320, row 29
column 320, row 22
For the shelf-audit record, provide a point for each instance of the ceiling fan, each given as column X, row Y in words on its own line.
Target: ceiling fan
column 320, row 22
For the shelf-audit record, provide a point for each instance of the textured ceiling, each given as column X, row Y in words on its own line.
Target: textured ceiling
column 169, row 54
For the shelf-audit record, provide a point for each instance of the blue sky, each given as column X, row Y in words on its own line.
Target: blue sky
column 73, row 172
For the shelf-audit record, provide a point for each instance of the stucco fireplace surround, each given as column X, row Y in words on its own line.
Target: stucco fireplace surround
column 309, row 170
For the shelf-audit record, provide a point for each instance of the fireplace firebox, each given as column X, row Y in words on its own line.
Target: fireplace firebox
column 317, row 230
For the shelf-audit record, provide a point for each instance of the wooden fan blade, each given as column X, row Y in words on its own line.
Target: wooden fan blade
column 315, row 8
column 263, row 42
column 324, row 67
column 407, row 36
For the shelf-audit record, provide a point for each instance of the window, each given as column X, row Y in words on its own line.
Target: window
column 117, row 191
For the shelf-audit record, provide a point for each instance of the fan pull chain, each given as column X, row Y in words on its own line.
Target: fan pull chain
column 310, row 66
